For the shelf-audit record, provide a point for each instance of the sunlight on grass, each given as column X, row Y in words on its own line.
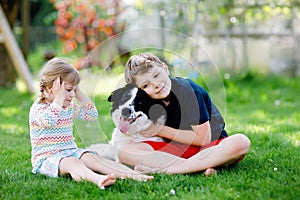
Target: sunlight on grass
column 254, row 128
column 286, row 130
column 21, row 85
column 12, row 128
column 264, row 98
column 258, row 115
column 7, row 112
column 294, row 139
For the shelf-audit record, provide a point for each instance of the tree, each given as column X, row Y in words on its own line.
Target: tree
column 83, row 24
column 7, row 71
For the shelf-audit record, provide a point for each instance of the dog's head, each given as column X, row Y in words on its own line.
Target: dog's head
column 133, row 110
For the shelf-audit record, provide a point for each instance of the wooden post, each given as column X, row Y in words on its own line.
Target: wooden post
column 14, row 51
column 25, row 27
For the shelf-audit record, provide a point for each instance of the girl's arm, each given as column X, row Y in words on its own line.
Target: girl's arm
column 80, row 96
column 45, row 116
column 48, row 115
column 199, row 136
column 86, row 110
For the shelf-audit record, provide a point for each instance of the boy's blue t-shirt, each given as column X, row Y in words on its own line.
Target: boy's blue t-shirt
column 190, row 105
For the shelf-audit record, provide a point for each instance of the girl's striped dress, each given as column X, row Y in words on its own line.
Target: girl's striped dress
column 51, row 128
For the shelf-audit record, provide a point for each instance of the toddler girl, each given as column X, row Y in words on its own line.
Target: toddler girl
column 54, row 151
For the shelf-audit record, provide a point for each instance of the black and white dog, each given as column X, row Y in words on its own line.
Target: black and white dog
column 132, row 111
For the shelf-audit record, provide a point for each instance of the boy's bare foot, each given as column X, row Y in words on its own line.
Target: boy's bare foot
column 144, row 169
column 209, row 172
column 106, row 180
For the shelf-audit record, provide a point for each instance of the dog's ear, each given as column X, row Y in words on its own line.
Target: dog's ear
column 129, row 86
column 118, row 93
column 109, row 98
column 115, row 95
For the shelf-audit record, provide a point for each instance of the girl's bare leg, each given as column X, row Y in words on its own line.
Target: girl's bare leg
column 79, row 172
column 105, row 166
column 228, row 151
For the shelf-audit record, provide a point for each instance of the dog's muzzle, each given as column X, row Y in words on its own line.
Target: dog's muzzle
column 128, row 116
column 127, row 112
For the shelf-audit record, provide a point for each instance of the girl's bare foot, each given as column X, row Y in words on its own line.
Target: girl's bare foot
column 106, row 180
column 140, row 177
column 210, row 171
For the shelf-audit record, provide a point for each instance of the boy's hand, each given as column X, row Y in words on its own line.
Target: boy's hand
column 153, row 130
column 58, row 91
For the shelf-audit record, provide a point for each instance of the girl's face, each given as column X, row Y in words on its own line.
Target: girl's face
column 155, row 82
column 69, row 94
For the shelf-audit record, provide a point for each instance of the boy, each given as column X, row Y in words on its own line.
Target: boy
column 195, row 139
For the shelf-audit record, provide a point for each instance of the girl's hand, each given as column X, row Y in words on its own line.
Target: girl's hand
column 58, row 91
column 78, row 93
column 153, row 130
column 80, row 96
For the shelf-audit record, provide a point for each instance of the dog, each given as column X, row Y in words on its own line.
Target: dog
column 133, row 111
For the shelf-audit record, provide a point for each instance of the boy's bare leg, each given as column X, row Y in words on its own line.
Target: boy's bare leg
column 79, row 172
column 228, row 151
column 105, row 166
column 142, row 154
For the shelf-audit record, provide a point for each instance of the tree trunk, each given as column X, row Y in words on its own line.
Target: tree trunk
column 7, row 70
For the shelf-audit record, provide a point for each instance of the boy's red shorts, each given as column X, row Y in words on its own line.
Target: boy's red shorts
column 180, row 150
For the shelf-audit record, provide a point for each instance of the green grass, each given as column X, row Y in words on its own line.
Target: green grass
column 265, row 108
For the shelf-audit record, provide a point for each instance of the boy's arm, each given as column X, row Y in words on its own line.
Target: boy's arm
column 199, row 136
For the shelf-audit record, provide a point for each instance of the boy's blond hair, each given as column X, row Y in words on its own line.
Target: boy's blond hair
column 139, row 64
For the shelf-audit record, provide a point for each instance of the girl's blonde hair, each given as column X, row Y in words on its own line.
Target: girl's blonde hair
column 54, row 68
column 139, row 64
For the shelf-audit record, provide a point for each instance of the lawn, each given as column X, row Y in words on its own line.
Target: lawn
column 265, row 108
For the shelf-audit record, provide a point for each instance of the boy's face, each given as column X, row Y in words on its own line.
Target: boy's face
column 155, row 82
